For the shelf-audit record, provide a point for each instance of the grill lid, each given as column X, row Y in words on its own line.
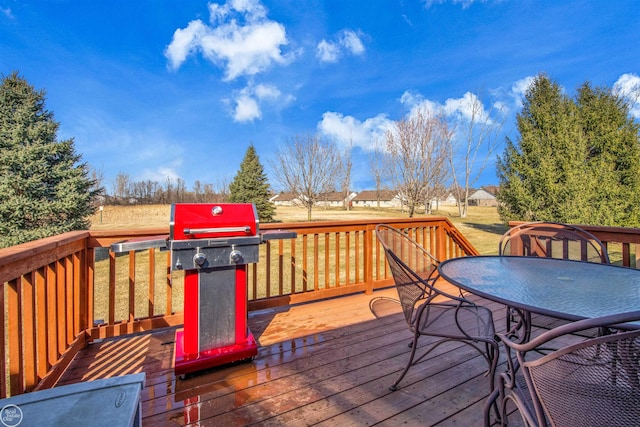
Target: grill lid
column 207, row 220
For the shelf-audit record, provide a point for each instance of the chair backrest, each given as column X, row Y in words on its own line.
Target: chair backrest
column 553, row 240
column 593, row 382
column 413, row 268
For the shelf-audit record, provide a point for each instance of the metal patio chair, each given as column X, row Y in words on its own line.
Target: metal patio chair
column 450, row 317
column 549, row 240
column 553, row 240
column 586, row 382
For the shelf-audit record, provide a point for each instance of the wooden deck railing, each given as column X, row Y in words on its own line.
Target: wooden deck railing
column 623, row 244
column 61, row 292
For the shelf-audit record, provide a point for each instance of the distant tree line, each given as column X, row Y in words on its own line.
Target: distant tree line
column 250, row 185
column 125, row 191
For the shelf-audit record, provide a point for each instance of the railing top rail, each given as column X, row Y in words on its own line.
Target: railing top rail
column 605, row 233
column 15, row 260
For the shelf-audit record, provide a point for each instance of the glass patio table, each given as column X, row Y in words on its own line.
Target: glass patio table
column 565, row 289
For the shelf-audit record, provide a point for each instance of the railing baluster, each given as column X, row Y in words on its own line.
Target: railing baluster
column 151, row 296
column 3, row 348
column 305, row 264
column 316, row 266
column 280, row 267
column 41, row 322
column 268, row 270
column 51, row 322
column 292, row 272
column 169, row 286
column 337, row 258
column 29, row 330
column 112, row 287
column 626, row 255
column 132, row 285
column 68, row 302
column 14, row 313
column 60, row 315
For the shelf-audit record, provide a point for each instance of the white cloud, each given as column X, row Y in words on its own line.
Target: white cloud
column 345, row 41
column 327, row 51
column 267, row 92
column 628, row 86
column 161, row 175
column 520, row 88
column 252, row 9
column 184, row 43
column 247, row 109
column 348, row 131
column 416, row 102
column 463, row 108
column 7, row 12
column 465, row 3
column 352, row 42
column 467, row 108
column 240, row 39
column 249, row 100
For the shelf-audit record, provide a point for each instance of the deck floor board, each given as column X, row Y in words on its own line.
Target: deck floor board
column 324, row 363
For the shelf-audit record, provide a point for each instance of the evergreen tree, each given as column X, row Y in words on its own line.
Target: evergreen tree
column 44, row 190
column 576, row 161
column 613, row 157
column 250, row 185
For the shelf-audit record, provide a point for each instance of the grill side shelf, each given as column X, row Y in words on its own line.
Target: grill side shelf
column 140, row 244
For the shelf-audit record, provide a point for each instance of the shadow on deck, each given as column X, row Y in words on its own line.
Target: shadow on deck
column 324, row 363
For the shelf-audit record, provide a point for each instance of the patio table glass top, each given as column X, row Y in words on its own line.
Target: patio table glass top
column 565, row 289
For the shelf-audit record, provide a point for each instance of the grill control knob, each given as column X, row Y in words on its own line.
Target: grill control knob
column 199, row 259
column 235, row 256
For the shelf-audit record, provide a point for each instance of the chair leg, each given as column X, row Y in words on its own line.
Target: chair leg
column 414, row 346
column 491, row 403
column 493, row 351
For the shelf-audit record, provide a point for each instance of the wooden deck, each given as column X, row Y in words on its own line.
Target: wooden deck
column 325, row 363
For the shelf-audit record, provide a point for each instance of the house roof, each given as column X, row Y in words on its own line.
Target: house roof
column 482, row 195
column 283, row 197
column 491, row 189
column 368, row 195
column 334, row 196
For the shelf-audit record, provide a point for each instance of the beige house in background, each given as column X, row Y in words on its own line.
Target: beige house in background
column 335, row 199
column 332, row 199
column 284, row 199
column 370, row 198
column 482, row 198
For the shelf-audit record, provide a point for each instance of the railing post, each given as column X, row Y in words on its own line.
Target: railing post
column 441, row 240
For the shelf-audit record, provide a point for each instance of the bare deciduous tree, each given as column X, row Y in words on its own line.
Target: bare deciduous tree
column 475, row 142
column 121, row 186
column 347, row 164
column 378, row 163
column 307, row 167
column 417, row 149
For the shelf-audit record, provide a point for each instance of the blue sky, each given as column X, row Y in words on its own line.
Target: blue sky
column 159, row 88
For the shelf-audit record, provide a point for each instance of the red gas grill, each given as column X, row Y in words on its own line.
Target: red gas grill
column 212, row 243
